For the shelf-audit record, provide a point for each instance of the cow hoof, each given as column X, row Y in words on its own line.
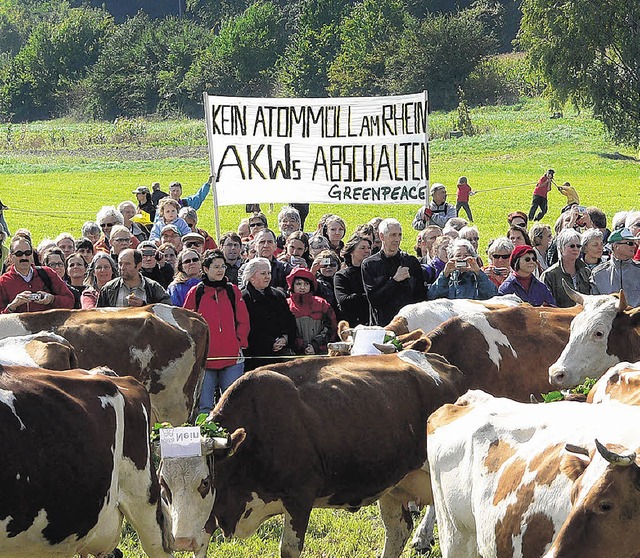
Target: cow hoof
column 420, row 549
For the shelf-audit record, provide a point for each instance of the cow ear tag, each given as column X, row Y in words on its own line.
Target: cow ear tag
column 182, row 441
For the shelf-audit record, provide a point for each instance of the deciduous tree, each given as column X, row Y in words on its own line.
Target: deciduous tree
column 588, row 51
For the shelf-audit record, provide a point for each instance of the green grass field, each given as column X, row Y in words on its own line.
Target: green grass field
column 56, row 175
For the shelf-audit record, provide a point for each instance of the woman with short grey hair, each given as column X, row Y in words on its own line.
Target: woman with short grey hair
column 273, row 327
column 499, row 252
column 592, row 247
column 569, row 268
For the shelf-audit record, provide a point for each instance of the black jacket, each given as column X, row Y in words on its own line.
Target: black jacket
column 385, row 295
column 163, row 274
column 270, row 318
column 352, row 301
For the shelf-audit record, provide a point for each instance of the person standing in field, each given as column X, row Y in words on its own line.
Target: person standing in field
column 572, row 196
column 462, row 199
column 539, row 201
column 438, row 212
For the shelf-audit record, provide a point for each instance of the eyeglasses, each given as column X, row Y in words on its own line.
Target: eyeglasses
column 21, row 253
column 258, row 224
column 107, row 225
column 193, row 243
column 626, row 243
column 530, row 259
column 501, row 256
column 191, row 260
column 574, row 245
column 120, row 240
column 55, row 264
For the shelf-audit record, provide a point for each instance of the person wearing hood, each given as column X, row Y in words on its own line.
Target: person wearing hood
column 522, row 281
column 220, row 303
column 315, row 319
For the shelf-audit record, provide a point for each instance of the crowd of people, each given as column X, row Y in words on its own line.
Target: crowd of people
column 270, row 292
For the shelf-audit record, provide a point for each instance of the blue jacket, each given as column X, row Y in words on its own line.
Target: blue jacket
column 538, row 294
column 180, row 223
column 197, row 199
column 463, row 285
column 178, row 291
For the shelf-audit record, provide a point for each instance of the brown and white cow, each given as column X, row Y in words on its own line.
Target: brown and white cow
column 164, row 347
column 429, row 314
column 497, row 481
column 505, row 352
column 606, row 332
column 620, row 383
column 44, row 349
column 75, row 461
column 605, row 504
column 337, row 433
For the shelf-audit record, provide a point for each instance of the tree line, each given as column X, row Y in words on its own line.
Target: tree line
column 99, row 59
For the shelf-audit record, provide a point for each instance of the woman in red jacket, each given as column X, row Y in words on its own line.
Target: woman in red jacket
column 220, row 303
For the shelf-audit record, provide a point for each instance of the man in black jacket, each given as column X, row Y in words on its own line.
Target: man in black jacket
column 265, row 242
column 392, row 278
column 131, row 288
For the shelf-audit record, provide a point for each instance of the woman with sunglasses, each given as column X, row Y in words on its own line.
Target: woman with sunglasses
column 499, row 252
column 188, row 274
column 522, row 281
column 107, row 218
column 569, row 268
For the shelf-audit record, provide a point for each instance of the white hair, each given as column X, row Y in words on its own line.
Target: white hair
column 461, row 243
column 253, row 266
column 386, row 224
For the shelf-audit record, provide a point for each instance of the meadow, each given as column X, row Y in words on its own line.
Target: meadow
column 55, row 175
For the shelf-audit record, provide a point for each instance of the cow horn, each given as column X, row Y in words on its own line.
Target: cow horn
column 573, row 294
column 576, row 449
column 623, row 459
column 532, row 398
column 386, row 348
column 621, row 305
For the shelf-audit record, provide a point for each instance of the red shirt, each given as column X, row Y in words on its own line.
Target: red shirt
column 12, row 284
column 463, row 192
column 543, row 187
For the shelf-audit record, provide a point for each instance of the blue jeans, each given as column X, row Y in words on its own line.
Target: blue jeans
column 214, row 378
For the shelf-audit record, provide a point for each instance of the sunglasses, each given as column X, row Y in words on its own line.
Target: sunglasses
column 333, row 264
column 106, row 225
column 191, row 260
column 21, row 253
column 260, row 224
column 574, row 245
column 501, row 256
column 626, row 243
column 120, row 240
column 192, row 244
column 148, row 254
column 530, row 259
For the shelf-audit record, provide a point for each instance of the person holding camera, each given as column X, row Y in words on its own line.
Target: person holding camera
column 499, row 252
column 27, row 288
column 153, row 264
column 461, row 276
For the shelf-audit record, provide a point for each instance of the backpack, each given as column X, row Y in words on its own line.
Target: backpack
column 230, row 294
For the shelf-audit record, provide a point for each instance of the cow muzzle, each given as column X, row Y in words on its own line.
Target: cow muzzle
column 185, row 544
column 558, row 376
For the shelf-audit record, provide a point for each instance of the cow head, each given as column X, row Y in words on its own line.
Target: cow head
column 188, row 492
column 605, row 504
column 390, row 342
column 587, row 353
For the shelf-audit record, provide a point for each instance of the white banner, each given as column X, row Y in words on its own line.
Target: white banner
column 340, row 150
